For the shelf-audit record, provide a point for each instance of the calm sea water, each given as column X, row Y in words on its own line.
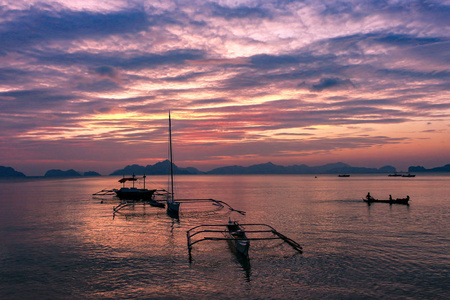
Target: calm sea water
column 60, row 242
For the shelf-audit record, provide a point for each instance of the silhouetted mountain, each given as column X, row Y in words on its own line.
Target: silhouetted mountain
column 418, row 169
column 228, row 170
column 270, row 168
column 59, row 173
column 160, row 168
column 387, row 169
column 91, row 173
column 10, row 172
column 333, row 168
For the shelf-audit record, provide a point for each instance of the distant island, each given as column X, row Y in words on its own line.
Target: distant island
column 161, row 168
column 91, row 173
column 418, row 169
column 10, row 172
column 69, row 173
column 270, row 168
column 59, row 173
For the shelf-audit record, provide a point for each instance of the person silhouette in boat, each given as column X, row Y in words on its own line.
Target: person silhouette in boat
column 369, row 197
column 390, row 198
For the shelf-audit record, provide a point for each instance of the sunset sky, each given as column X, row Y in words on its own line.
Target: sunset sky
column 88, row 84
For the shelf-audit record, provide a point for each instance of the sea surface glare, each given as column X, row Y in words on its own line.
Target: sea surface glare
column 60, row 242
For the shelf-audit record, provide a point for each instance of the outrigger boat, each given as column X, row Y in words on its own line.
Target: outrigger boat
column 236, row 235
column 157, row 197
column 129, row 193
column 237, row 238
column 133, row 193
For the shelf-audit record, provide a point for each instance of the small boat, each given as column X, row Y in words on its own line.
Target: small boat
column 343, row 175
column 133, row 193
column 408, row 175
column 395, row 175
column 370, row 200
column 237, row 238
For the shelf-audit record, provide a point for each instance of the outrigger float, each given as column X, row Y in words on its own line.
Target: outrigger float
column 237, row 236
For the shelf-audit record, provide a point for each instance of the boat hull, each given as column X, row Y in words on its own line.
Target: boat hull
column 238, row 241
column 393, row 201
column 173, row 208
column 134, row 194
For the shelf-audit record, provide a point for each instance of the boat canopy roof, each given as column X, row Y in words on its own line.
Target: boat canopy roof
column 125, row 179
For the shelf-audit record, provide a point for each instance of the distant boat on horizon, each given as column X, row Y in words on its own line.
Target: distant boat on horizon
column 395, row 175
column 344, row 175
column 408, row 175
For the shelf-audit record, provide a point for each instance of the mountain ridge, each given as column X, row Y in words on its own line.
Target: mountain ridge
column 161, row 168
column 10, row 172
column 418, row 169
column 270, row 168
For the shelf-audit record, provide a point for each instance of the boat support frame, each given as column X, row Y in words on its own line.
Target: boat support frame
column 268, row 229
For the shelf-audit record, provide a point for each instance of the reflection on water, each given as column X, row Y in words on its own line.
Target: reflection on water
column 57, row 241
column 244, row 261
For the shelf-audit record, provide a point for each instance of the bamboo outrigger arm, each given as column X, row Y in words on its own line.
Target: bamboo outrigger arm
column 218, row 202
column 120, row 206
column 193, row 232
column 104, row 192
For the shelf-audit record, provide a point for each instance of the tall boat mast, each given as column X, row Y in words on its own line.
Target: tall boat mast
column 171, row 158
column 173, row 207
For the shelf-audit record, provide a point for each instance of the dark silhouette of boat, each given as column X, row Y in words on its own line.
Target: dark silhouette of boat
column 237, row 237
column 157, row 197
column 408, row 175
column 133, row 193
column 369, row 199
column 344, row 175
column 395, row 175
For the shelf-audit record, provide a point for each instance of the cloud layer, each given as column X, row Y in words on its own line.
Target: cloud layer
column 282, row 81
